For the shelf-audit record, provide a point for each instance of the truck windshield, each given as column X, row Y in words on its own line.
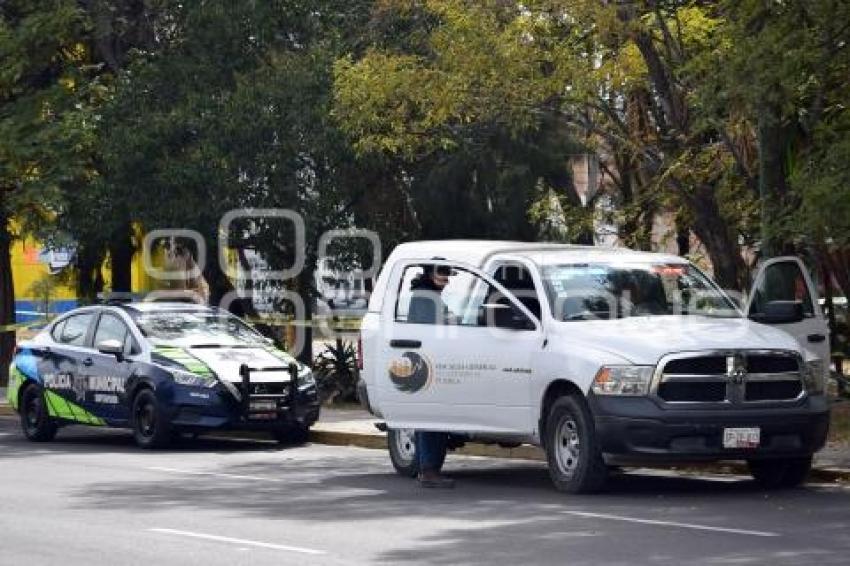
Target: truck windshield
column 599, row 291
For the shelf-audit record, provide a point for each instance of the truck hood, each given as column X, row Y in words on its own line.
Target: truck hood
column 644, row 340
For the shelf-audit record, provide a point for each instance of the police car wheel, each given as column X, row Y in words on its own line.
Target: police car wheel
column 35, row 419
column 150, row 427
column 575, row 461
column 292, row 435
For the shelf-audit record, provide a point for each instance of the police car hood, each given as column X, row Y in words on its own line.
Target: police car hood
column 645, row 339
column 225, row 361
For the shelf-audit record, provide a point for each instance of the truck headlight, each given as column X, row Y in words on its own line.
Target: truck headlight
column 192, row 379
column 623, row 380
column 814, row 377
column 306, row 378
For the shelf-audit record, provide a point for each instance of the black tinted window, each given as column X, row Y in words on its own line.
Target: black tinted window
column 57, row 331
column 110, row 327
column 782, row 281
column 75, row 329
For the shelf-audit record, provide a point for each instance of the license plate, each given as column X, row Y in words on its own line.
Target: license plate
column 741, row 437
column 261, row 406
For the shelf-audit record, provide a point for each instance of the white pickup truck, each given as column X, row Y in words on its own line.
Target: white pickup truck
column 602, row 356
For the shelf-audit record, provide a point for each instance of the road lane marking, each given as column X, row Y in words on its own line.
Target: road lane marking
column 239, row 541
column 671, row 524
column 213, row 474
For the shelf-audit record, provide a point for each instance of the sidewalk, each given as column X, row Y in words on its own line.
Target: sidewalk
column 355, row 427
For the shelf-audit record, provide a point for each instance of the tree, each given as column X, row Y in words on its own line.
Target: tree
column 229, row 110
column 44, row 83
column 453, row 96
column 612, row 74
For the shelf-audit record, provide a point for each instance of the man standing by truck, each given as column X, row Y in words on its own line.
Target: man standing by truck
column 427, row 307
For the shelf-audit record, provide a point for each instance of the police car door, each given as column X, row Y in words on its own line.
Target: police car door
column 787, row 279
column 469, row 368
column 109, row 371
column 64, row 370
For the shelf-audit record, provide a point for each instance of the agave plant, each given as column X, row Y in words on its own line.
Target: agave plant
column 336, row 372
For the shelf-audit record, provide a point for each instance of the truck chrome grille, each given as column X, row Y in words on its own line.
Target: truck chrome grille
column 736, row 377
column 692, row 391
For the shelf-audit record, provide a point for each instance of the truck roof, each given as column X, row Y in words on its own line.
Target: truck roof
column 478, row 252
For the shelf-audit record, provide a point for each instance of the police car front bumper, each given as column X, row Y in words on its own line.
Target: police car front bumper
column 290, row 404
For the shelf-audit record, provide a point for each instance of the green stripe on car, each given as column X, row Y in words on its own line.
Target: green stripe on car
column 182, row 357
column 59, row 407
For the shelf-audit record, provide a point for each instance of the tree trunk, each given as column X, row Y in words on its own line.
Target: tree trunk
column 683, row 236
column 772, row 182
column 7, row 297
column 89, row 276
column 305, row 290
column 121, row 256
column 719, row 241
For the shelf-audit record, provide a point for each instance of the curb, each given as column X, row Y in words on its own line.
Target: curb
column 7, row 411
column 378, row 441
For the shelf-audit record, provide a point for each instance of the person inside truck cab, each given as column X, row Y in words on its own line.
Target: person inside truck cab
column 427, row 307
column 426, row 303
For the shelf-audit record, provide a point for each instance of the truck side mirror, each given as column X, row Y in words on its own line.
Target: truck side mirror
column 506, row 315
column 779, row 312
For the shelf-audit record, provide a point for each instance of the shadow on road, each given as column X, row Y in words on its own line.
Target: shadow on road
column 511, row 510
column 500, row 508
column 87, row 440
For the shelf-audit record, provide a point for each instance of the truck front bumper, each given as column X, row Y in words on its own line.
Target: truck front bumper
column 637, row 430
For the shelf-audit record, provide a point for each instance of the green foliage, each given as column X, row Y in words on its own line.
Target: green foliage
column 45, row 90
column 336, row 372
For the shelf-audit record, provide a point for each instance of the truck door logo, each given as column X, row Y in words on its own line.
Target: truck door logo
column 411, row 372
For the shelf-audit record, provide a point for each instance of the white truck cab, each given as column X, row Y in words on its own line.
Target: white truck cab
column 602, row 356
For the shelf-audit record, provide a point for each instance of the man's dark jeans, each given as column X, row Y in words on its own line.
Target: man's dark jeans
column 431, row 449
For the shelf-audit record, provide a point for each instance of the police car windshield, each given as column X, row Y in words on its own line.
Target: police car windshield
column 604, row 291
column 197, row 329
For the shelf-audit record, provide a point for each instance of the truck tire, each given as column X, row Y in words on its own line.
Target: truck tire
column 780, row 473
column 151, row 428
column 402, row 446
column 572, row 451
column 35, row 418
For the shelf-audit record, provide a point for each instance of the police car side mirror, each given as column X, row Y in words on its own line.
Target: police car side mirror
column 112, row 347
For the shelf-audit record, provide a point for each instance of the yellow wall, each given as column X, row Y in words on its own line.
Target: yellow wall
column 27, row 270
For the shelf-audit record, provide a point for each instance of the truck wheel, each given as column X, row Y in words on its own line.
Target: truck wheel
column 402, row 445
column 575, row 461
column 35, row 419
column 151, row 428
column 292, row 435
column 780, row 473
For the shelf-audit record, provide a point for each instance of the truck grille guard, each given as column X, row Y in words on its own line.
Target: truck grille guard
column 285, row 402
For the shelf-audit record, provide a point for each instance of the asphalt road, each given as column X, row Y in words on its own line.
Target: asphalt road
column 91, row 497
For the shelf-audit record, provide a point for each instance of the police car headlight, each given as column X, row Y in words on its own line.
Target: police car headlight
column 192, row 379
column 306, row 378
column 814, row 377
column 623, row 380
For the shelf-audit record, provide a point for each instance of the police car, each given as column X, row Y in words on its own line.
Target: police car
column 159, row 369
